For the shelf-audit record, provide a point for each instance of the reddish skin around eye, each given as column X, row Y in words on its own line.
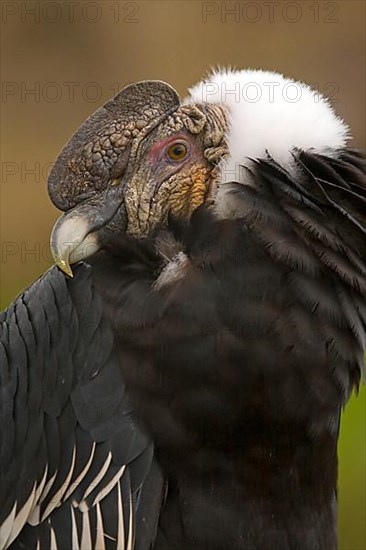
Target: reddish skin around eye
column 158, row 148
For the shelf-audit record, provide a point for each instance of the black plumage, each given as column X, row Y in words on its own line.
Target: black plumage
column 236, row 367
column 180, row 387
column 239, row 371
column 70, row 450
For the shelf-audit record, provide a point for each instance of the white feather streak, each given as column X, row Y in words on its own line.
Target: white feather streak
column 104, row 492
column 57, row 497
column 82, row 505
column 121, row 521
column 6, row 526
column 99, row 543
column 86, row 541
column 74, row 534
column 81, row 475
column 22, row 516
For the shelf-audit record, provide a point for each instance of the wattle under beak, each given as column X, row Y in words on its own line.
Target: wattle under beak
column 78, row 233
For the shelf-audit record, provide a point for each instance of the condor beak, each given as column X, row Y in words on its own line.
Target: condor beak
column 78, row 233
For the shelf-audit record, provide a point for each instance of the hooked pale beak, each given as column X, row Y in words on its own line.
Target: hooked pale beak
column 78, row 233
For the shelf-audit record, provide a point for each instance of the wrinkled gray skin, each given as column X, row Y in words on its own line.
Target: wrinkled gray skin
column 115, row 175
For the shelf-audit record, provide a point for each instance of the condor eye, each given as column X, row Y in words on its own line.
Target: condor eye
column 177, row 151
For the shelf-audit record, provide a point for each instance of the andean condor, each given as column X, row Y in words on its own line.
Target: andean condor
column 183, row 389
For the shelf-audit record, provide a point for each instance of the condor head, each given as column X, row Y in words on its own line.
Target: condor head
column 138, row 159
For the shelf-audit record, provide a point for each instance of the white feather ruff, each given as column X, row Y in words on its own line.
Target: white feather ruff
column 270, row 113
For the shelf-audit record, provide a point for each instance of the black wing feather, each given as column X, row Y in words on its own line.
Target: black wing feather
column 67, row 421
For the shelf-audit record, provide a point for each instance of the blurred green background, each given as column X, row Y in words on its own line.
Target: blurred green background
column 61, row 60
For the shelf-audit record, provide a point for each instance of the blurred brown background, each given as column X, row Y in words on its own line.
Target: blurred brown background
column 61, row 60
